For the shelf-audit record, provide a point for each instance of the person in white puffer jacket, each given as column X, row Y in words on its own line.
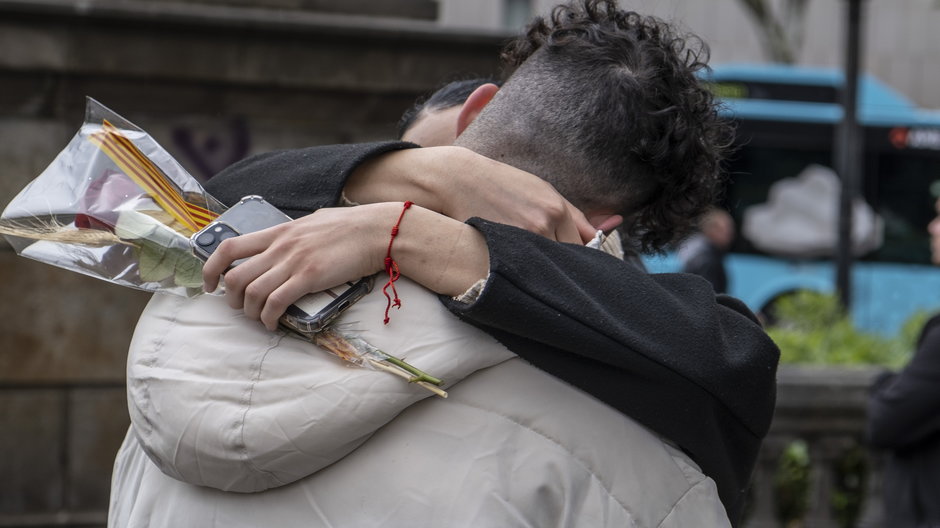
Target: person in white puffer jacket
column 235, row 426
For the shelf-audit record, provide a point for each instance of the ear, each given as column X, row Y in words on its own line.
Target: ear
column 474, row 105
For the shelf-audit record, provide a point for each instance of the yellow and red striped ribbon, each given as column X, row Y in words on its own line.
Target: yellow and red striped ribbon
column 148, row 176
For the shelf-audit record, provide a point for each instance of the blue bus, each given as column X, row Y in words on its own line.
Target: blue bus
column 786, row 120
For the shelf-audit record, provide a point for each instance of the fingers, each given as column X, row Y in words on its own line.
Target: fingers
column 555, row 217
column 261, row 290
column 276, row 303
column 227, row 253
column 576, row 228
column 562, row 222
column 249, row 287
column 281, row 264
column 610, row 223
column 263, row 296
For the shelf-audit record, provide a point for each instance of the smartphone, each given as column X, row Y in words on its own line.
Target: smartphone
column 312, row 312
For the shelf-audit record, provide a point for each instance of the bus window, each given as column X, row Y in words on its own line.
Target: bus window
column 753, row 171
column 898, row 186
column 786, row 119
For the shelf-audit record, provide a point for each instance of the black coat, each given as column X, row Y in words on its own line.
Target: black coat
column 663, row 349
column 708, row 261
column 904, row 419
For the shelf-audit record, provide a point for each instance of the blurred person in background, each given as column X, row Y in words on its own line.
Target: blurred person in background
column 703, row 253
column 904, row 420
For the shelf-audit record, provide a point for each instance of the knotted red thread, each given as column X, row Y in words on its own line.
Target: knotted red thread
column 391, row 267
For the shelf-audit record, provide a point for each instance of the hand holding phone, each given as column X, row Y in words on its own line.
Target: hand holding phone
column 311, row 313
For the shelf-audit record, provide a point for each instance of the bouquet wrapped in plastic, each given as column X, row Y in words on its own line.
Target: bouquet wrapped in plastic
column 116, row 206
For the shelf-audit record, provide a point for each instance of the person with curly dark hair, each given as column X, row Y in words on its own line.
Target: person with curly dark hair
column 629, row 399
column 642, row 133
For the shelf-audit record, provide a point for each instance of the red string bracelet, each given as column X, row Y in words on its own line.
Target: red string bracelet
column 391, row 267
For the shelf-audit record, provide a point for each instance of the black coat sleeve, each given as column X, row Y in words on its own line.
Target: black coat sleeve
column 904, row 409
column 696, row 368
column 300, row 181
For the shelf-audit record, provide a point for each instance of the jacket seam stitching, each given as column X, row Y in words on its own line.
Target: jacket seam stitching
column 146, row 407
column 249, row 393
column 557, row 443
column 679, row 500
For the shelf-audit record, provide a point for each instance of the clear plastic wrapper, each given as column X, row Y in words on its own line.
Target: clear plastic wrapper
column 357, row 351
column 116, row 206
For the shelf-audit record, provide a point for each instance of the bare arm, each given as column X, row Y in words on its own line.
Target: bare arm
column 461, row 184
column 335, row 245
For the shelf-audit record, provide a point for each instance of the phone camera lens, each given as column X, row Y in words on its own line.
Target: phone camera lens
column 205, row 239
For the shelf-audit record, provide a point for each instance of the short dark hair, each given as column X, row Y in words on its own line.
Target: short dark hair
column 608, row 106
column 451, row 94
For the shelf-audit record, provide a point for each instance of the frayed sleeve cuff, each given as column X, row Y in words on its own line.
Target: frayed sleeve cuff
column 473, row 293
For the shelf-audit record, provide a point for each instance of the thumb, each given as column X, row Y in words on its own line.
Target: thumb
column 581, row 224
column 610, row 223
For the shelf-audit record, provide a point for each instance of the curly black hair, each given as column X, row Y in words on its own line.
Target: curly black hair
column 645, row 113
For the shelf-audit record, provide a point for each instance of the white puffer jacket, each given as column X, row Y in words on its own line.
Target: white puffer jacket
column 233, row 426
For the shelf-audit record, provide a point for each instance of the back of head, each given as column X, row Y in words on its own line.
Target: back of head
column 607, row 106
column 450, row 95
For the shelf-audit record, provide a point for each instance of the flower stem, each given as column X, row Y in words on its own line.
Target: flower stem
column 419, row 375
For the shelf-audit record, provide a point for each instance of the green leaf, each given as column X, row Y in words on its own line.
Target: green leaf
column 133, row 225
column 188, row 271
column 156, row 262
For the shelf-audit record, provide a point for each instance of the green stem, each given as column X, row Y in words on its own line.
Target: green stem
column 418, row 374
